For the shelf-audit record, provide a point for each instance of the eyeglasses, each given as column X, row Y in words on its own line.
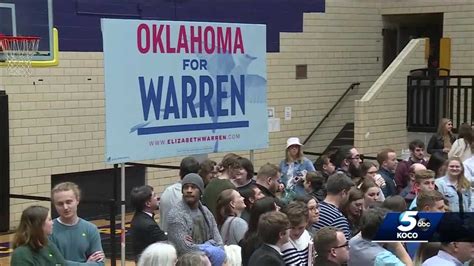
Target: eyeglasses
column 357, row 157
column 343, row 245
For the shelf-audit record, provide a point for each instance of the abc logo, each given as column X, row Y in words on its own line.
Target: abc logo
column 424, row 224
column 408, row 221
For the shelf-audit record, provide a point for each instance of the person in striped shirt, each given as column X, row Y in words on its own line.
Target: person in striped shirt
column 337, row 186
column 297, row 250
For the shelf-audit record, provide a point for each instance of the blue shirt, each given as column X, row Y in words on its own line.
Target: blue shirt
column 390, row 188
column 450, row 193
column 291, row 170
column 387, row 258
column 443, row 258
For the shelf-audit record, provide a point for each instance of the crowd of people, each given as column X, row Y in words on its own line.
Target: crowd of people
column 297, row 213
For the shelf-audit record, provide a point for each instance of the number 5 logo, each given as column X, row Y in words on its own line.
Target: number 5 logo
column 407, row 221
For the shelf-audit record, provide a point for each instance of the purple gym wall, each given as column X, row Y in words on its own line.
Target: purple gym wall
column 78, row 21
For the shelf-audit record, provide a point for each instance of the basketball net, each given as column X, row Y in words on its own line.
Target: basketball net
column 18, row 52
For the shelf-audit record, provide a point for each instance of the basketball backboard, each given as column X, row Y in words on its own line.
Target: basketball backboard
column 29, row 18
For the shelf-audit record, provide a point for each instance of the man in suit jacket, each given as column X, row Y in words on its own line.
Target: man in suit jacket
column 144, row 229
column 273, row 231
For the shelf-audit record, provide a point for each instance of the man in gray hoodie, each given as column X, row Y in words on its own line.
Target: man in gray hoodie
column 190, row 223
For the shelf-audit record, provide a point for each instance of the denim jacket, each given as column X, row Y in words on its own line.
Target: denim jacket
column 288, row 180
column 450, row 194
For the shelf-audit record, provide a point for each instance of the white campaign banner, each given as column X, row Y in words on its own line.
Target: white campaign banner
column 178, row 88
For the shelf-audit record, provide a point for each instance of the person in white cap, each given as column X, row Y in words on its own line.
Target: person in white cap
column 294, row 168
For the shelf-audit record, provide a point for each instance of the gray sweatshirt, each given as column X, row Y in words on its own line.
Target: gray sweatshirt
column 180, row 225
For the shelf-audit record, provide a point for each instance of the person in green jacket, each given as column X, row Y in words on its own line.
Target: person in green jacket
column 30, row 244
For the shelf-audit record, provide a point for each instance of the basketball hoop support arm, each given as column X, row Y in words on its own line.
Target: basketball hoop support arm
column 55, row 60
column 48, row 63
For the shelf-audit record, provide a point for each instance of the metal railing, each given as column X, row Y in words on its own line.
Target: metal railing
column 430, row 98
column 330, row 111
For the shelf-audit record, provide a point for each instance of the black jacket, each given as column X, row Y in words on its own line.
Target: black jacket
column 266, row 255
column 436, row 144
column 268, row 193
column 144, row 232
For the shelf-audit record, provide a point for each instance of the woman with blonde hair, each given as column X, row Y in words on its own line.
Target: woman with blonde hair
column 158, row 254
column 293, row 169
column 233, row 255
column 455, row 187
column 30, row 243
column 426, row 251
column 442, row 141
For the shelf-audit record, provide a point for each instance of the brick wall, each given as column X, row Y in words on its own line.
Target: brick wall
column 380, row 116
column 341, row 46
column 380, row 119
column 57, row 124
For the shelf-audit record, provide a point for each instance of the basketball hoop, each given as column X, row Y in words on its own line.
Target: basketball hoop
column 19, row 51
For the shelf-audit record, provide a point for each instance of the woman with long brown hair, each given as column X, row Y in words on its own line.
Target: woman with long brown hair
column 370, row 170
column 462, row 146
column 353, row 209
column 230, row 205
column 370, row 191
column 30, row 244
column 442, row 141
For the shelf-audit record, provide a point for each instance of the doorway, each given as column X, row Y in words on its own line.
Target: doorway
column 400, row 29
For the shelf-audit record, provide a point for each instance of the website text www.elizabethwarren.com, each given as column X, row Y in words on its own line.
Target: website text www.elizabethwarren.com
column 171, row 141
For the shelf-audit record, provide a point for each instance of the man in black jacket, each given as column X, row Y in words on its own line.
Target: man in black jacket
column 144, row 229
column 273, row 231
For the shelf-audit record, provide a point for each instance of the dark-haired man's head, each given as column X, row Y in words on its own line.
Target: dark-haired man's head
column 325, row 165
column 188, row 165
column 348, row 159
column 314, row 181
column 337, row 187
column 242, row 175
column 251, row 194
column 417, row 150
column 144, row 199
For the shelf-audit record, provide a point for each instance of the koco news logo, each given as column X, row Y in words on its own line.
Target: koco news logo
column 409, row 224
